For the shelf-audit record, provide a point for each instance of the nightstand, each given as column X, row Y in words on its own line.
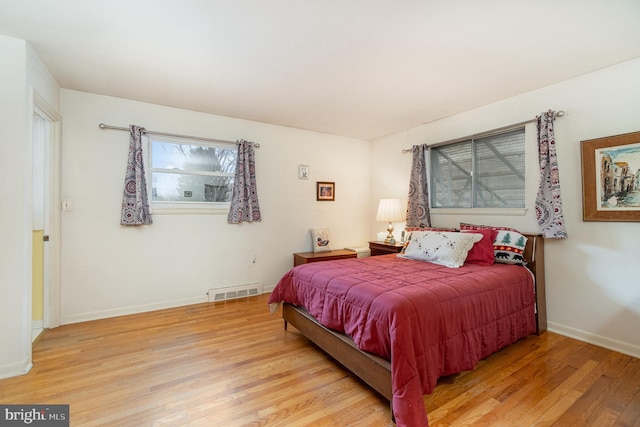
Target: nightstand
column 307, row 257
column 382, row 248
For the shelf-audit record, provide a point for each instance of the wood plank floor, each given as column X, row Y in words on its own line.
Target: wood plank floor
column 232, row 364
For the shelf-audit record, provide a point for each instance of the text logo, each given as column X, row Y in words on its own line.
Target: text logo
column 34, row 415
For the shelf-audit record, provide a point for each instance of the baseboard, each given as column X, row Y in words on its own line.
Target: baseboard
column 267, row 289
column 37, row 324
column 103, row 314
column 600, row 341
column 36, row 335
column 16, row 369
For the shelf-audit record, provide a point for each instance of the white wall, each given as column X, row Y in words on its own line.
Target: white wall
column 109, row 269
column 21, row 73
column 593, row 285
column 14, row 356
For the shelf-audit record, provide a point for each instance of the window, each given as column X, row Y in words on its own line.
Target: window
column 187, row 174
column 483, row 172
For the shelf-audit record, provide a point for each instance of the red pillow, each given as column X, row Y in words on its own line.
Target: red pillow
column 482, row 252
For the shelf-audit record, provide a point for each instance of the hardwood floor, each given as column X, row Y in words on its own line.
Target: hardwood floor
column 232, row 364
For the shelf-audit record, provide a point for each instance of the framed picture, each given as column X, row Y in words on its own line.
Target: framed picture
column 303, row 171
column 611, row 178
column 326, row 191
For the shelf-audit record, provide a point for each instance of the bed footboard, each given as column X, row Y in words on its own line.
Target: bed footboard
column 371, row 369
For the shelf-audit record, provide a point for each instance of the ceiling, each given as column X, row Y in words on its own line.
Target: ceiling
column 357, row 68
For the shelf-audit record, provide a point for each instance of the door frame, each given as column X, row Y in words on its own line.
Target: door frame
column 52, row 278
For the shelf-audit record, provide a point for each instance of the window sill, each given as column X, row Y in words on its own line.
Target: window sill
column 479, row 211
column 194, row 208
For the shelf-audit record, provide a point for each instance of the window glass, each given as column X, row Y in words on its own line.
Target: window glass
column 173, row 187
column 499, row 171
column 451, row 175
column 185, row 173
column 486, row 172
column 190, row 157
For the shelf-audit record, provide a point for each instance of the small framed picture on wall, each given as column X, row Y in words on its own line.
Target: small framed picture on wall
column 303, row 171
column 326, row 191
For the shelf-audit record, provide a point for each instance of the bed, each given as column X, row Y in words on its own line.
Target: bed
column 400, row 324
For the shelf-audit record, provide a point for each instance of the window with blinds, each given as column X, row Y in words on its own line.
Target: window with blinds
column 483, row 172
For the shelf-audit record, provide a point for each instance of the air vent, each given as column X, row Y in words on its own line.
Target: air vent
column 234, row 292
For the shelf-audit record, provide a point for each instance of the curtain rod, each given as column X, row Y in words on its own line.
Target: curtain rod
column 477, row 135
column 175, row 135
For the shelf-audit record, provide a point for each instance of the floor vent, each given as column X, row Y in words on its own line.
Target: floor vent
column 234, row 292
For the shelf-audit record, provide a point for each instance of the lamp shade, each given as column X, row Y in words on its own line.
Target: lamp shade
column 390, row 210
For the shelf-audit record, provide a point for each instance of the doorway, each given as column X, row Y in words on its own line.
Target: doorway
column 45, row 302
column 39, row 143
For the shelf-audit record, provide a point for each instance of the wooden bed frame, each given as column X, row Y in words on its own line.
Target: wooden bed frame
column 376, row 371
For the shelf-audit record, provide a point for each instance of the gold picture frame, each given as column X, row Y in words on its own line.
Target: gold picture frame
column 611, row 178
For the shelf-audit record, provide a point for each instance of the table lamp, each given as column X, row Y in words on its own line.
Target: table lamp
column 390, row 210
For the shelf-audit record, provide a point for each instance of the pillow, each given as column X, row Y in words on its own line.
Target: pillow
column 466, row 226
column 407, row 240
column 439, row 247
column 430, row 229
column 482, row 252
column 508, row 246
column 410, row 230
column 320, row 240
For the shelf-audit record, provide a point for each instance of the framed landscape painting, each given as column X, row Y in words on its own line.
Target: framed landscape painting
column 611, row 178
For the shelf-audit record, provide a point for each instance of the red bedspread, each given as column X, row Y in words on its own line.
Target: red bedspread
column 428, row 320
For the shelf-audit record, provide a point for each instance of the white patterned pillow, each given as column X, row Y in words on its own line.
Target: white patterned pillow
column 320, row 240
column 443, row 248
column 508, row 247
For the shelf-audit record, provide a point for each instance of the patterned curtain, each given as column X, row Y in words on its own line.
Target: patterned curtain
column 244, row 197
column 418, row 205
column 135, row 203
column 549, row 201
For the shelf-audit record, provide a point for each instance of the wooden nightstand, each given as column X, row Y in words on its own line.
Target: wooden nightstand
column 307, row 257
column 382, row 248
